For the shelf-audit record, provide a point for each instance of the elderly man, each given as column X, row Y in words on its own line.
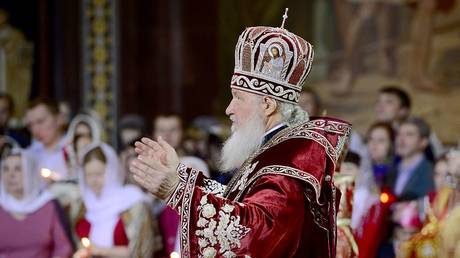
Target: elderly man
column 282, row 201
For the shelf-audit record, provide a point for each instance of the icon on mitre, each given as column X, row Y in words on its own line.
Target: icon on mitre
column 273, row 62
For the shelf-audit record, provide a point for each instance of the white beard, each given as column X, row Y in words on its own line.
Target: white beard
column 242, row 143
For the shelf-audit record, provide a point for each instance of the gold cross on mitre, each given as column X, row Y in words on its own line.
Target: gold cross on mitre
column 285, row 16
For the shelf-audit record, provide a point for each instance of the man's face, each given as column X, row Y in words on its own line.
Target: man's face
column 169, row 128
column 409, row 142
column 248, row 128
column 388, row 108
column 240, row 109
column 44, row 126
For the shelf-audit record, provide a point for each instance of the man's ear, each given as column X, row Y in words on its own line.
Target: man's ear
column 269, row 106
column 424, row 142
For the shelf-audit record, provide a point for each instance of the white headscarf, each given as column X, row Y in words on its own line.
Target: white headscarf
column 91, row 121
column 103, row 212
column 34, row 198
column 95, row 127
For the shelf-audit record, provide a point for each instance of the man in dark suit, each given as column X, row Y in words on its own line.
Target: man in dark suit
column 412, row 177
column 410, row 180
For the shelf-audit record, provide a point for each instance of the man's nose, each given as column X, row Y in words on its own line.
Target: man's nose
column 229, row 109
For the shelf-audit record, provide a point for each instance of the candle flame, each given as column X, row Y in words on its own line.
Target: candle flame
column 384, row 197
column 85, row 242
column 46, row 173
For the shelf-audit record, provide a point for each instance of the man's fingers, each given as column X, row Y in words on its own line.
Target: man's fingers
column 140, row 165
column 141, row 181
column 168, row 148
column 151, row 143
column 143, row 178
column 142, row 148
column 149, row 147
column 153, row 163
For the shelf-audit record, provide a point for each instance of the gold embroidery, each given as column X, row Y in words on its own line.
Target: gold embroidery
column 224, row 230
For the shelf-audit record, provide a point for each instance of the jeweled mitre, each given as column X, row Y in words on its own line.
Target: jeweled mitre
column 273, row 62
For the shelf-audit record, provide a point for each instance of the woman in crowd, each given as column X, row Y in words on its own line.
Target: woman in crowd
column 380, row 139
column 83, row 130
column 378, row 163
column 112, row 216
column 368, row 210
column 31, row 222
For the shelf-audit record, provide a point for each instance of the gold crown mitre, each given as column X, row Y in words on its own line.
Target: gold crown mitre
column 272, row 62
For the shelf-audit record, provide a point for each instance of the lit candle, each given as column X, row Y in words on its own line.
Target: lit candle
column 46, row 173
column 85, row 242
column 174, row 255
column 87, row 245
column 384, row 197
column 49, row 174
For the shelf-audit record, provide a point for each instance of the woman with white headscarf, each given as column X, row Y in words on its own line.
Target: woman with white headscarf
column 30, row 222
column 83, row 130
column 112, row 216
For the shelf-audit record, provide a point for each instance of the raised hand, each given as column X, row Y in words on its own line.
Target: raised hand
column 155, row 167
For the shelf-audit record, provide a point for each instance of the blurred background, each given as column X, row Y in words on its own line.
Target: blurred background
column 149, row 57
column 82, row 80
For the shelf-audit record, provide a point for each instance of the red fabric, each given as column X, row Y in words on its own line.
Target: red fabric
column 285, row 205
column 373, row 230
column 274, row 211
column 168, row 221
column 83, row 228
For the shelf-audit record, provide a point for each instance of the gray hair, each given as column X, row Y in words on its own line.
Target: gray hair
column 292, row 114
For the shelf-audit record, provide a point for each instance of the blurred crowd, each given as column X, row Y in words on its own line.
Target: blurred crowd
column 64, row 192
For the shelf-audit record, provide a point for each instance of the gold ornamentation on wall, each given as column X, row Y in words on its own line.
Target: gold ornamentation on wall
column 99, row 35
column 16, row 58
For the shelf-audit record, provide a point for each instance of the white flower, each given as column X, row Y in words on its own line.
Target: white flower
column 227, row 208
column 229, row 254
column 202, row 242
column 204, row 200
column 209, row 252
column 209, row 211
column 201, row 222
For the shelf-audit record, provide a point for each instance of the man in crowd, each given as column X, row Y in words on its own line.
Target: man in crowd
column 271, row 207
column 411, row 179
column 394, row 106
column 46, row 123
